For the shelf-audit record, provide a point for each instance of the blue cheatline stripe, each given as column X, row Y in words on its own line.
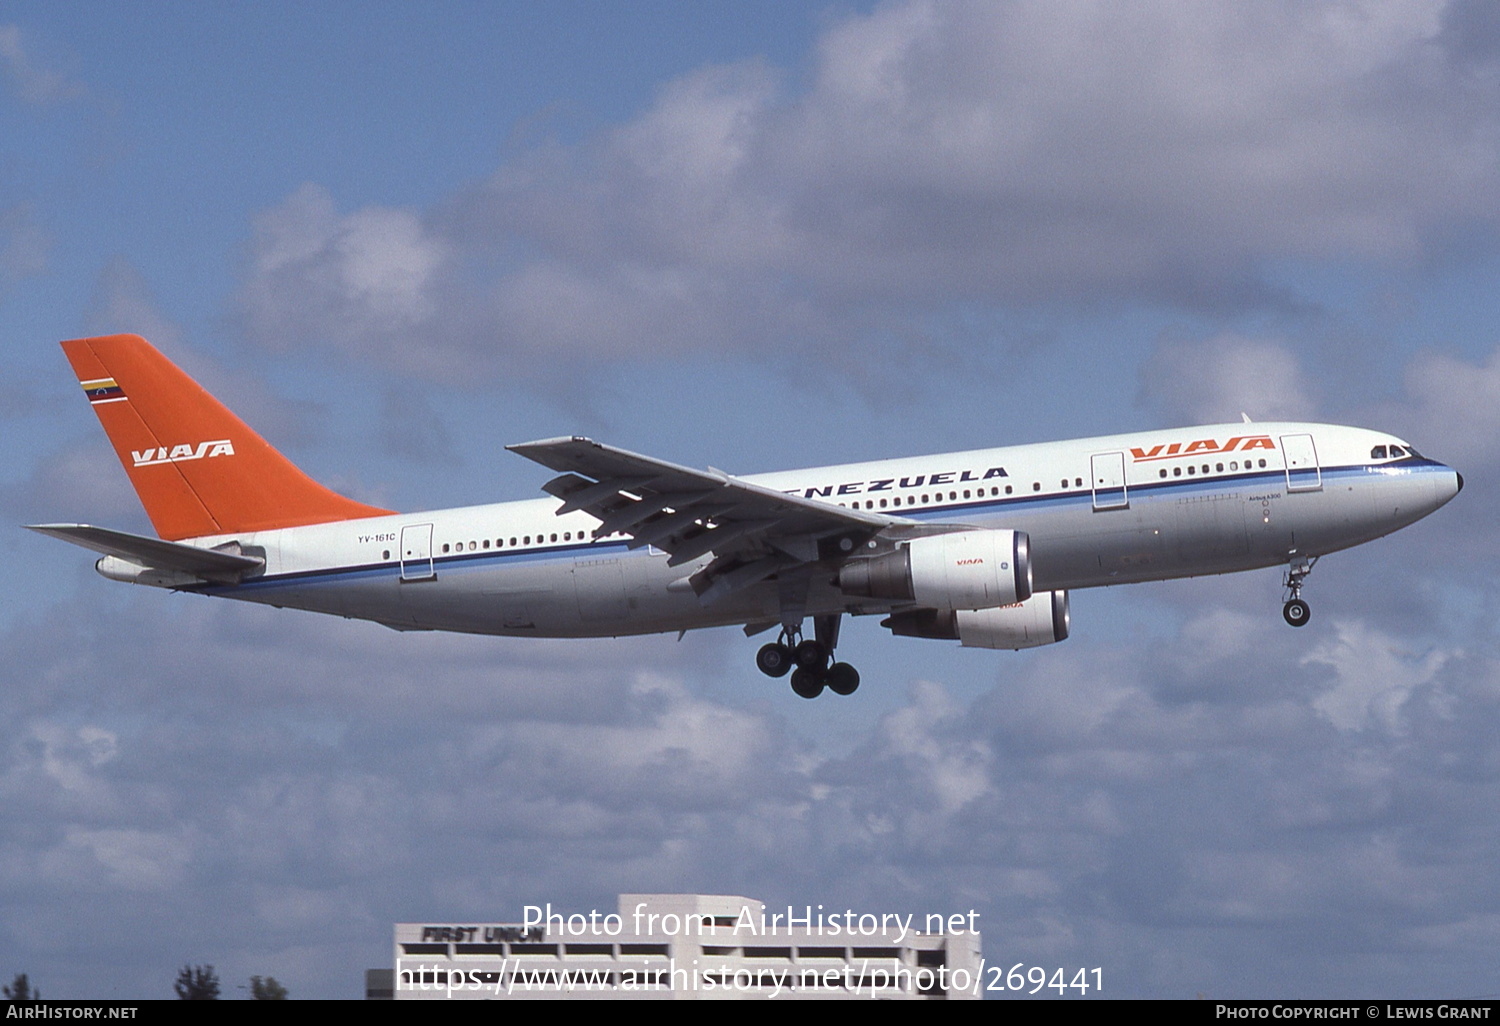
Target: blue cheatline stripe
column 468, row 561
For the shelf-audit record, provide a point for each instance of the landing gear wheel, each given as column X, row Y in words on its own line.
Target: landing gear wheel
column 806, row 683
column 774, row 660
column 811, row 655
column 842, row 679
column 1296, row 612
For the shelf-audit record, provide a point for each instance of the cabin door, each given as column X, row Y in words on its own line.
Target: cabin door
column 1302, row 471
column 416, row 553
column 1109, row 481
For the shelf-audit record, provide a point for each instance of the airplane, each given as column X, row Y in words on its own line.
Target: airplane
column 978, row 547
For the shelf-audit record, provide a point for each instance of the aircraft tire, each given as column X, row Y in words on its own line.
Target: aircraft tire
column 843, row 679
column 811, row 656
column 774, row 660
column 806, row 683
column 1296, row 613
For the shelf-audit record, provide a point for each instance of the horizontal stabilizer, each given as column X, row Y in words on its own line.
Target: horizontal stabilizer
column 210, row 564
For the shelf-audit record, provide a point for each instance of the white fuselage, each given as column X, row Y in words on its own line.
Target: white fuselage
column 1099, row 511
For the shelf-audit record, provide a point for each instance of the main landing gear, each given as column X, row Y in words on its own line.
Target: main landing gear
column 1296, row 611
column 810, row 660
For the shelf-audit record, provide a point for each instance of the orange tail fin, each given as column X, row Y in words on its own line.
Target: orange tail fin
column 198, row 469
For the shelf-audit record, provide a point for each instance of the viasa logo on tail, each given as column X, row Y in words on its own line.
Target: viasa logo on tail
column 182, row 453
column 1202, row 447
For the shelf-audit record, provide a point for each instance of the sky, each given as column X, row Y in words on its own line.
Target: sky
column 396, row 237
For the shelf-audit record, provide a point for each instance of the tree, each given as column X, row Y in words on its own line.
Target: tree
column 197, row 983
column 21, row 990
column 266, row 989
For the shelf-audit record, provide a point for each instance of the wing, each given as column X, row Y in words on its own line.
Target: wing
column 752, row 531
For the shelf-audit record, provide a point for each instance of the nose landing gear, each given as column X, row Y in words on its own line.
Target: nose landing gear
column 812, row 657
column 1296, row 612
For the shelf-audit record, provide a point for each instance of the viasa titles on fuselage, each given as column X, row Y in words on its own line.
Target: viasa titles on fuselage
column 978, row 547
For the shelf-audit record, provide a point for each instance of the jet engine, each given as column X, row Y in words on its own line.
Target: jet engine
column 961, row 570
column 1040, row 620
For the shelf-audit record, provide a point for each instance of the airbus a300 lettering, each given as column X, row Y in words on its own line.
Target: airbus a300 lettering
column 981, row 548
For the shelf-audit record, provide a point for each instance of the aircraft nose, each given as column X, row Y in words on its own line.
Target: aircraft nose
column 1447, row 486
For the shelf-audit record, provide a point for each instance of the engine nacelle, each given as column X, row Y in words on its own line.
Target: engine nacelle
column 117, row 569
column 962, row 570
column 1040, row 620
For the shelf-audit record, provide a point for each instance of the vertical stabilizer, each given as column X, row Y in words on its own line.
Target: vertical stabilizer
column 198, row 469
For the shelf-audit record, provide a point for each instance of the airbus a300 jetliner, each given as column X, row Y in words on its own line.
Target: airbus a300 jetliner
column 978, row 547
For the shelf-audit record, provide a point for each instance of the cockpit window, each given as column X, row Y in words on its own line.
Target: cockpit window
column 1396, row 450
column 1377, row 453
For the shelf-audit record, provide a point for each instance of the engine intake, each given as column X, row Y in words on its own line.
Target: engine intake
column 962, row 570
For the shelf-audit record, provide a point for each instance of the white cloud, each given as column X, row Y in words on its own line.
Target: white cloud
column 954, row 773
column 33, row 82
column 134, row 860
column 370, row 273
column 995, row 155
column 1217, row 379
column 1374, row 677
column 1455, row 407
column 123, row 301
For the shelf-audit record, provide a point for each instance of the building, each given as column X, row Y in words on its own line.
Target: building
column 692, row 946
